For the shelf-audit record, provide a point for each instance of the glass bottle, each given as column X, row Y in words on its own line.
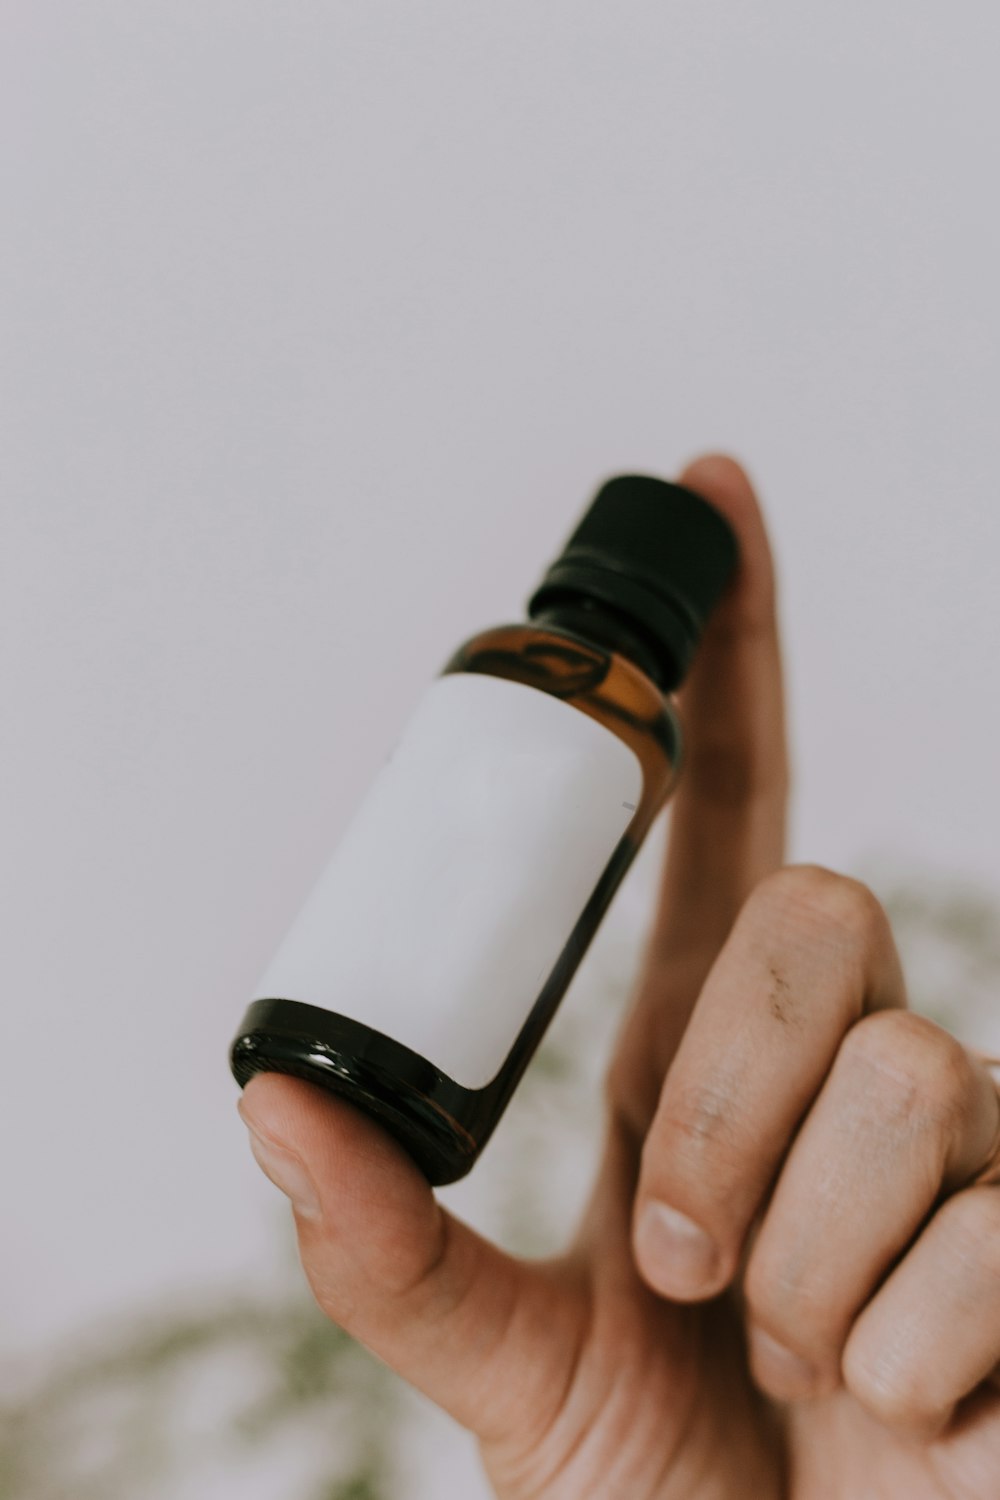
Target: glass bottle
column 422, row 972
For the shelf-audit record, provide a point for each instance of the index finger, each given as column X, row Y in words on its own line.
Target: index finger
column 728, row 820
column 728, row 816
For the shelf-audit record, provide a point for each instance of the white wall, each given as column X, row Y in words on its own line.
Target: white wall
column 322, row 322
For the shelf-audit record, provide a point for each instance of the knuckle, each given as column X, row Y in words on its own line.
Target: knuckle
column 893, row 1392
column 971, row 1222
column 828, row 908
column 785, row 1298
column 921, row 1072
column 693, row 1123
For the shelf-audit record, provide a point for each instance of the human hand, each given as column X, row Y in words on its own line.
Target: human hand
column 830, row 1330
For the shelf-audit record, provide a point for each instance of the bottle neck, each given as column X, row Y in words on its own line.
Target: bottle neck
column 602, row 625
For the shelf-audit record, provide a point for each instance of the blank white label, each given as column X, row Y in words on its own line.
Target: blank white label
column 463, row 872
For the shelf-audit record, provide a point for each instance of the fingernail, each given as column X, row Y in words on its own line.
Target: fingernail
column 676, row 1253
column 287, row 1171
column 785, row 1374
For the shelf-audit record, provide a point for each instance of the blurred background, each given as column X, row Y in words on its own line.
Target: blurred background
column 321, row 323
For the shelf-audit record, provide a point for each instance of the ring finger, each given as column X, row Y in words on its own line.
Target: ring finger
column 905, row 1115
column 932, row 1333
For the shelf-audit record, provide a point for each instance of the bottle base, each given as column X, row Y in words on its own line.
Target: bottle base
column 365, row 1068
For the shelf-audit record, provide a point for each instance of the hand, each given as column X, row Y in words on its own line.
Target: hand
column 784, row 1283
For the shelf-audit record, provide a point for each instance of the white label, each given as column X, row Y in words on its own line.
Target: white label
column 463, row 872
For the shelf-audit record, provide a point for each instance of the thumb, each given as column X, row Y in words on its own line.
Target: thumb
column 486, row 1336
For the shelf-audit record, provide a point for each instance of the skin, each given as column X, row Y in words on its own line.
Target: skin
column 786, row 1283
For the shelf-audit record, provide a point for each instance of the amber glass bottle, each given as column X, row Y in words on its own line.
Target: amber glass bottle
column 421, row 974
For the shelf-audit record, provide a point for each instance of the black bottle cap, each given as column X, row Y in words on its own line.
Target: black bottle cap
column 654, row 552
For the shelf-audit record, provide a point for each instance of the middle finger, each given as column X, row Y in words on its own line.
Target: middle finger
column 810, row 952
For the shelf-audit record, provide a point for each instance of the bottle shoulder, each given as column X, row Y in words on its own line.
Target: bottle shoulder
column 558, row 661
column 591, row 678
